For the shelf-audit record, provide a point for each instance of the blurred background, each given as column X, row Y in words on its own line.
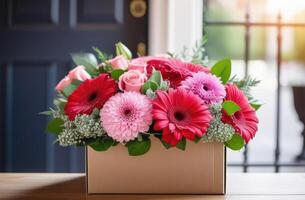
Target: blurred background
column 264, row 38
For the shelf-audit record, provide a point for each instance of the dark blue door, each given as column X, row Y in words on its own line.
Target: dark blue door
column 36, row 38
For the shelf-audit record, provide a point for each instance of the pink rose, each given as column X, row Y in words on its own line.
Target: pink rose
column 140, row 63
column 119, row 62
column 63, row 83
column 132, row 81
column 78, row 73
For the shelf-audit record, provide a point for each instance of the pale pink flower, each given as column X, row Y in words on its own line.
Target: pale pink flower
column 132, row 80
column 126, row 115
column 63, row 83
column 78, row 73
column 119, row 62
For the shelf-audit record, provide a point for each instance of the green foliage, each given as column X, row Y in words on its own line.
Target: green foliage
column 196, row 55
column 55, row 126
column 222, row 69
column 60, row 104
column 153, row 86
column 88, row 60
column 48, row 112
column 102, row 145
column 121, row 49
column 137, row 148
column 230, row 107
column 245, row 85
column 182, row 144
column 235, row 143
column 256, row 104
column 197, row 139
column 103, row 57
column 167, row 146
column 199, row 55
column 116, row 73
column 154, row 83
column 67, row 91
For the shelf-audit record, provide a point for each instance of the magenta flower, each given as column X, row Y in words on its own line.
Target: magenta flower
column 125, row 115
column 207, row 86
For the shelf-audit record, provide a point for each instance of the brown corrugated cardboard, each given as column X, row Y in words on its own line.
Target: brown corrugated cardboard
column 200, row 169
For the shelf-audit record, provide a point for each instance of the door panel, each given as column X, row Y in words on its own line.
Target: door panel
column 36, row 39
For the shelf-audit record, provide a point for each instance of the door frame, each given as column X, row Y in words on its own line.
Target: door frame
column 169, row 30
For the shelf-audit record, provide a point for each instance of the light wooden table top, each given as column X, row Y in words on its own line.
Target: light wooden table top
column 290, row 186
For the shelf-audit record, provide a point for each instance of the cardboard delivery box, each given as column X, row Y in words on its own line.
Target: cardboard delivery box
column 200, row 169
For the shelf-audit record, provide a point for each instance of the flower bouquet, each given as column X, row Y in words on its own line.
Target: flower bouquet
column 135, row 104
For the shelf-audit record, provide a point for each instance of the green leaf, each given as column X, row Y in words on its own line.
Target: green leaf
column 115, row 143
column 149, row 85
column 102, row 145
column 230, row 107
column 222, row 69
column 55, row 126
column 116, row 73
column 67, row 91
column 101, row 55
column 156, row 77
column 167, row 146
column 121, row 49
column 235, row 143
column 163, row 86
column 88, row 60
column 197, row 139
column 48, row 112
column 182, row 144
column 136, row 148
column 60, row 103
column 256, row 104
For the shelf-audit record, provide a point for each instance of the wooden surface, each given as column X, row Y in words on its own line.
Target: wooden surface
column 290, row 186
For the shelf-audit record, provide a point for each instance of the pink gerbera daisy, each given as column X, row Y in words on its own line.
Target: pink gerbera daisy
column 207, row 86
column 180, row 113
column 245, row 120
column 125, row 115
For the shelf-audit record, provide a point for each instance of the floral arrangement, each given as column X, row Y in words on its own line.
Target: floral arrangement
column 127, row 101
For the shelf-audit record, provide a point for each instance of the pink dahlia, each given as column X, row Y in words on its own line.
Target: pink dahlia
column 207, row 86
column 180, row 113
column 125, row 115
column 245, row 120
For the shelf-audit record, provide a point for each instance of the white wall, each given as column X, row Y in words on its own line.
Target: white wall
column 174, row 24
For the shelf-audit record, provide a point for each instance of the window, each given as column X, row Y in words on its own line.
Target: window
column 265, row 39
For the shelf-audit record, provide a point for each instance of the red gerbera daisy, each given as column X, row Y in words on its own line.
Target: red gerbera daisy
column 179, row 114
column 92, row 93
column 174, row 70
column 245, row 120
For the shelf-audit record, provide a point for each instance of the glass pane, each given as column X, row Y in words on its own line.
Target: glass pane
column 221, row 10
column 262, row 66
column 293, row 94
column 224, row 41
column 291, row 11
column 259, row 10
column 267, row 10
